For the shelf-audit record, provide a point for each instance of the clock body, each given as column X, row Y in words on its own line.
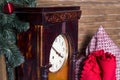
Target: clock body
column 50, row 45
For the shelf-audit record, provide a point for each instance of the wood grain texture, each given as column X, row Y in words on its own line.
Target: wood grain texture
column 3, row 72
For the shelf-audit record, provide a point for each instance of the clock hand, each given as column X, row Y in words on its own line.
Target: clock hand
column 57, row 52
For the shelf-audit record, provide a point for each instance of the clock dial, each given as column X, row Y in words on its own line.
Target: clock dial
column 58, row 53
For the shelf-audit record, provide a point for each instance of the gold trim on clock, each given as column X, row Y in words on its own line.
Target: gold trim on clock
column 41, row 45
column 39, row 29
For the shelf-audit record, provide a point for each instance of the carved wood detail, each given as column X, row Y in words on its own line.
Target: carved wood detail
column 61, row 16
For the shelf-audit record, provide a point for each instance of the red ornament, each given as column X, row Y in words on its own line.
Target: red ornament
column 8, row 8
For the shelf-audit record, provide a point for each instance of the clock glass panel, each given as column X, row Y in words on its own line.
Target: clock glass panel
column 58, row 53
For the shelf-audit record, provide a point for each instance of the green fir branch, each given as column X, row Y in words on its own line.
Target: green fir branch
column 9, row 26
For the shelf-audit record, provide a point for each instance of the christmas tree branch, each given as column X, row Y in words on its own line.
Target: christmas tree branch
column 9, row 26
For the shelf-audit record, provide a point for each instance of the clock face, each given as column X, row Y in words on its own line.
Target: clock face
column 58, row 53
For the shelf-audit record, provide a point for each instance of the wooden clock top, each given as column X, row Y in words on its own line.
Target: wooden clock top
column 45, row 9
column 43, row 15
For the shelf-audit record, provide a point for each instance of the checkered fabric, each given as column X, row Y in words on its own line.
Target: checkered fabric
column 78, row 66
column 101, row 40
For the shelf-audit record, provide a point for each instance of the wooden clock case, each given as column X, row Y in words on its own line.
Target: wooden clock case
column 45, row 24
